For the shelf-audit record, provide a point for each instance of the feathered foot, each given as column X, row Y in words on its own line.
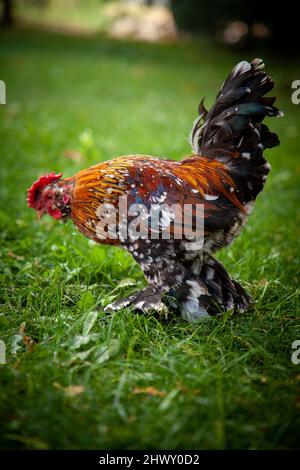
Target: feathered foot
column 143, row 301
column 212, row 292
column 226, row 293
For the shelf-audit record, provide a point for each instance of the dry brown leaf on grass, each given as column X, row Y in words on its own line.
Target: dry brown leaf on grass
column 71, row 390
column 28, row 341
column 154, row 392
column 11, row 254
column 22, row 328
column 74, row 390
column 262, row 283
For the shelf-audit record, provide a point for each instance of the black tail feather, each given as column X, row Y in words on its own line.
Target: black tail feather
column 239, row 109
column 232, row 131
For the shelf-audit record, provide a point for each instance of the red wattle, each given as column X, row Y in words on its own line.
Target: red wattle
column 55, row 213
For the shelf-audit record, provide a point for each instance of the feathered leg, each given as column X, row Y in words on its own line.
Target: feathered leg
column 227, row 293
column 210, row 292
column 195, row 289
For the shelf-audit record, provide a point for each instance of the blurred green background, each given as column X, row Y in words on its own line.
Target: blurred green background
column 87, row 81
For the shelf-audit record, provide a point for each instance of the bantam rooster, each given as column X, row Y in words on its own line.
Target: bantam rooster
column 224, row 175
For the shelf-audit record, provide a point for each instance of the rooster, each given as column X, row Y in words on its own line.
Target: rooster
column 224, row 175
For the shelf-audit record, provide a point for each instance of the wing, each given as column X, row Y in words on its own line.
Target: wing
column 196, row 187
column 179, row 192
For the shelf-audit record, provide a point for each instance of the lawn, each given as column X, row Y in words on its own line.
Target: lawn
column 77, row 378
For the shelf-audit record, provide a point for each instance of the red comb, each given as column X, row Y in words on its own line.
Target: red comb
column 36, row 187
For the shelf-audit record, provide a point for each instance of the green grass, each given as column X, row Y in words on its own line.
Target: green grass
column 80, row 15
column 141, row 382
